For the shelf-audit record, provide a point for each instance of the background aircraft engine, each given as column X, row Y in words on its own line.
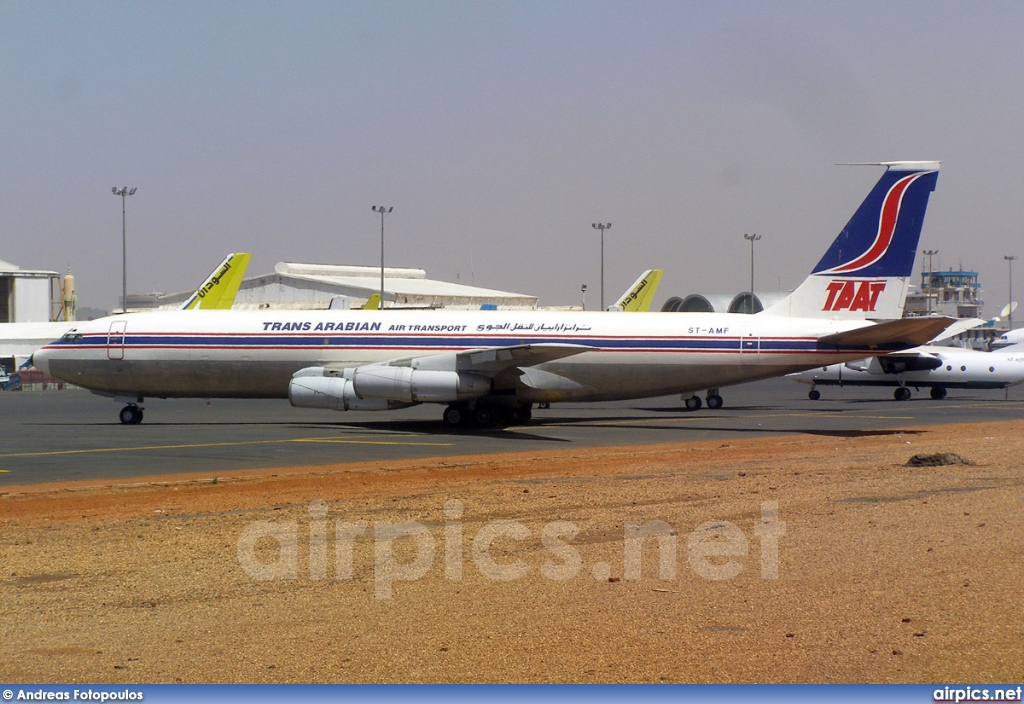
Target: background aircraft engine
column 332, row 392
column 416, row 385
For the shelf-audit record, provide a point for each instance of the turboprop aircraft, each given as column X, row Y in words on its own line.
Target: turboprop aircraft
column 937, row 368
column 488, row 366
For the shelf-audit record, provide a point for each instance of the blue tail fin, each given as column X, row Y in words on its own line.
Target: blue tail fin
column 866, row 271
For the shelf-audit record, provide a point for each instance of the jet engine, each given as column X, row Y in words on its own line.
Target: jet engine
column 381, row 388
column 416, row 385
column 333, row 392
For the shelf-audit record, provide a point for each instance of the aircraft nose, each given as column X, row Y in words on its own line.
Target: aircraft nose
column 40, row 361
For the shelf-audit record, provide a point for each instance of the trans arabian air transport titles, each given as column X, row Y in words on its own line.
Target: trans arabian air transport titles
column 492, row 366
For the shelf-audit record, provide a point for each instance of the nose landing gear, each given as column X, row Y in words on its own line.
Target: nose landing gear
column 131, row 414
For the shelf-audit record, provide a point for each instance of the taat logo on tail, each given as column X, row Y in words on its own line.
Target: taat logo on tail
column 853, row 294
column 888, row 216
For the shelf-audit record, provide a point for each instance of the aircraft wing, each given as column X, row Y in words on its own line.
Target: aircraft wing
column 961, row 325
column 486, row 361
column 492, row 360
column 909, row 331
column 909, row 361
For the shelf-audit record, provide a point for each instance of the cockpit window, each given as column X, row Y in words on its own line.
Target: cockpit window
column 71, row 337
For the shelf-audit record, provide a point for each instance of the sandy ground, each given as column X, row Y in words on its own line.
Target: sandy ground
column 525, row 568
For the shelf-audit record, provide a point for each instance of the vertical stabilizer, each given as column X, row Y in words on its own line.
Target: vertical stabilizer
column 866, row 271
column 639, row 296
column 221, row 286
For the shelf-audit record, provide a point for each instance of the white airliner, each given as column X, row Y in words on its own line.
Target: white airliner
column 937, row 368
column 489, row 366
column 1013, row 337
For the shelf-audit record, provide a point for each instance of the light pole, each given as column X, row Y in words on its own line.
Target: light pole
column 929, row 253
column 383, row 211
column 1009, row 316
column 124, row 192
column 602, row 226
column 753, row 239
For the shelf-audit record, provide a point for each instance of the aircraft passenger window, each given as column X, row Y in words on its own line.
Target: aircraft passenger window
column 963, row 368
column 949, row 367
column 991, row 369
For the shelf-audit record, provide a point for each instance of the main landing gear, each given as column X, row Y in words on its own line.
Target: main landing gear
column 713, row 399
column 462, row 415
column 131, row 414
column 902, row 393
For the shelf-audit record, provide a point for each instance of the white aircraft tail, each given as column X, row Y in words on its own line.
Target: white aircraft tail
column 866, row 272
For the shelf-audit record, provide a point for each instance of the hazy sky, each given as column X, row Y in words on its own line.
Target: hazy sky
column 499, row 131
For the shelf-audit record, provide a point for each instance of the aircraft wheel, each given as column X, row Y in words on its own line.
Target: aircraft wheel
column 901, row 394
column 715, row 401
column 694, row 403
column 516, row 415
column 483, row 416
column 814, row 394
column 131, row 415
column 454, row 416
column 544, row 406
column 938, row 392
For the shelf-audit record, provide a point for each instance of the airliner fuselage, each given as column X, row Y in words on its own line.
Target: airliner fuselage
column 253, row 354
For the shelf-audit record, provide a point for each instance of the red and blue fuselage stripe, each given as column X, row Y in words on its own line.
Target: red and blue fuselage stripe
column 186, row 341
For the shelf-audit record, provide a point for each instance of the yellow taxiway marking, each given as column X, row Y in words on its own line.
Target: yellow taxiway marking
column 5, row 471
column 373, row 442
column 144, row 448
column 708, row 418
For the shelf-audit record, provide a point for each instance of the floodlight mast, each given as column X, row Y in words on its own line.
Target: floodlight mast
column 753, row 239
column 124, row 192
column 383, row 210
column 602, row 226
column 1009, row 316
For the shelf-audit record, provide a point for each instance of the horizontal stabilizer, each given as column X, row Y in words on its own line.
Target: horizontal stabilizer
column 911, row 332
